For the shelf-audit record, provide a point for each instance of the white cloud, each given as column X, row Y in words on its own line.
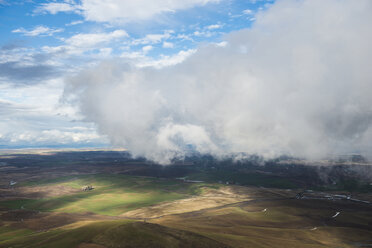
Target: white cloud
column 214, row 26
column 153, row 38
column 203, row 33
column 184, row 37
column 54, row 8
column 75, row 23
column 247, row 12
column 146, row 49
column 33, row 116
column 93, row 39
column 134, row 56
column 118, row 11
column 38, row 31
column 222, row 44
column 126, row 11
column 168, row 44
column 104, row 53
column 297, row 83
column 166, row 60
column 255, row 1
column 98, row 45
column 139, row 58
column 53, row 137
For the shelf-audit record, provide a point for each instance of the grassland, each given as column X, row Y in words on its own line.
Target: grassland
column 77, row 218
column 112, row 194
column 269, row 218
column 280, row 223
column 47, row 207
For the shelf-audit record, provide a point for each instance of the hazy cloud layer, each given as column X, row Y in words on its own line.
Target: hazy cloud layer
column 37, row 121
column 298, row 82
column 26, row 74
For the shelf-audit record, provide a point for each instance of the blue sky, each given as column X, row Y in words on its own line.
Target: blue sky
column 33, row 24
column 43, row 42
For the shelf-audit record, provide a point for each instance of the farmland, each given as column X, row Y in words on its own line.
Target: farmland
column 136, row 204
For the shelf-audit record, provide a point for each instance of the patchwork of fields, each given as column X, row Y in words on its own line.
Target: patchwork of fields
column 48, row 208
column 164, row 212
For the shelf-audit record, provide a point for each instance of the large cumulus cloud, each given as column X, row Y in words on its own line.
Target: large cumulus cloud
column 298, row 82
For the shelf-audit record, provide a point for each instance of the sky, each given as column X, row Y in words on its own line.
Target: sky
column 162, row 77
column 43, row 42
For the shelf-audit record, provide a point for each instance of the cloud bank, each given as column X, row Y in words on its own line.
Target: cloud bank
column 298, row 82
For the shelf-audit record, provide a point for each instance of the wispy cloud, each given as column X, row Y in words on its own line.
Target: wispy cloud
column 38, row 31
column 54, row 8
column 153, row 38
column 89, row 40
column 214, row 26
column 147, row 48
column 168, row 44
column 247, row 11
column 75, row 23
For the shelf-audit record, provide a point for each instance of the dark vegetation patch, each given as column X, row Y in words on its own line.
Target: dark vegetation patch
column 19, row 215
column 352, row 175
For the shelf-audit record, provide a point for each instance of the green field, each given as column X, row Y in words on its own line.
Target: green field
column 112, row 194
